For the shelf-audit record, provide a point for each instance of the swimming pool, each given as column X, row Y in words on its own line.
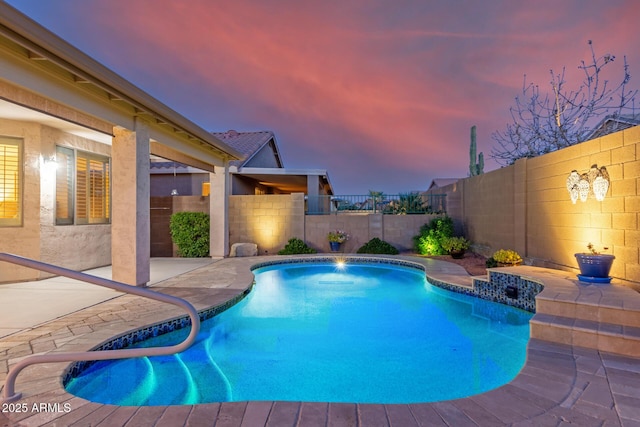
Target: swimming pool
column 366, row 333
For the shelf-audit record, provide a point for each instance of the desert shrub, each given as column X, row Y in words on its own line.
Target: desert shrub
column 451, row 244
column 296, row 246
column 190, row 233
column 377, row 246
column 432, row 235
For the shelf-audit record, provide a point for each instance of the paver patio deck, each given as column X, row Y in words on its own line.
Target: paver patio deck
column 559, row 384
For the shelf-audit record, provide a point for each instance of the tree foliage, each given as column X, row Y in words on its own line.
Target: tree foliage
column 542, row 123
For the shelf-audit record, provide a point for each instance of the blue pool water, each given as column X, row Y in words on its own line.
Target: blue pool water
column 366, row 333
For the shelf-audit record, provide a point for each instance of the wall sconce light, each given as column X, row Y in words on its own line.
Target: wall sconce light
column 595, row 182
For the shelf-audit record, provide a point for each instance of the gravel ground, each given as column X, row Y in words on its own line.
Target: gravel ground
column 472, row 262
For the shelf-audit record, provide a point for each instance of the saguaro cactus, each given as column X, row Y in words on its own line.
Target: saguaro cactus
column 475, row 168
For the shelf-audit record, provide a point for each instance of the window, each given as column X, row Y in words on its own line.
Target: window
column 82, row 187
column 10, row 181
column 65, row 183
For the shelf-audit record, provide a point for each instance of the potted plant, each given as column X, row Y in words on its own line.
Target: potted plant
column 455, row 246
column 336, row 238
column 507, row 258
column 594, row 266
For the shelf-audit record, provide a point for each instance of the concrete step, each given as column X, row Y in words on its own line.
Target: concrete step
column 615, row 313
column 603, row 336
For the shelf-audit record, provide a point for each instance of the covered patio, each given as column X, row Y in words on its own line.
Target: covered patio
column 74, row 168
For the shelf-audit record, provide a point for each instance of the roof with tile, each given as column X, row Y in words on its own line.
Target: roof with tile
column 248, row 144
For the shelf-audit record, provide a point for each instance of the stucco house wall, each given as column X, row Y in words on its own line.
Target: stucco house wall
column 72, row 246
column 77, row 247
column 24, row 240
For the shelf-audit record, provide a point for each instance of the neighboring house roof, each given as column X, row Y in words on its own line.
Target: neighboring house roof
column 249, row 144
column 613, row 123
column 442, row 182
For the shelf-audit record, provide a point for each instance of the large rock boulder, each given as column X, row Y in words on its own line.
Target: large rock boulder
column 243, row 249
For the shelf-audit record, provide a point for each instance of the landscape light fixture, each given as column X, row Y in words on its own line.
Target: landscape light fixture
column 595, row 182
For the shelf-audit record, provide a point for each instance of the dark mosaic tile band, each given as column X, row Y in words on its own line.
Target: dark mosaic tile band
column 346, row 259
column 129, row 338
column 504, row 288
column 495, row 288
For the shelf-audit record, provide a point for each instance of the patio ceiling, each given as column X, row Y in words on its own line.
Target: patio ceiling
column 11, row 111
column 285, row 180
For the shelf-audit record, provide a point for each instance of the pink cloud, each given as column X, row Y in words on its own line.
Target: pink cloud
column 402, row 83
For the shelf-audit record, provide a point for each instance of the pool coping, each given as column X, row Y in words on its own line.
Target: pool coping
column 558, row 382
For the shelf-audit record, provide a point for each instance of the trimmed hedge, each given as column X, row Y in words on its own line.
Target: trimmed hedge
column 190, row 233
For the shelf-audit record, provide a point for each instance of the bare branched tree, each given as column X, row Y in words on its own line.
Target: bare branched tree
column 560, row 118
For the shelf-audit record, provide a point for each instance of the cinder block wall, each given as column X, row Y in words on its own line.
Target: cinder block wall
column 397, row 230
column 556, row 228
column 271, row 220
column 526, row 206
column 268, row 220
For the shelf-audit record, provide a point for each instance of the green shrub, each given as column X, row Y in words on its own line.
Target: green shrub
column 491, row 263
column 296, row 246
column 190, row 233
column 377, row 246
column 432, row 235
column 451, row 244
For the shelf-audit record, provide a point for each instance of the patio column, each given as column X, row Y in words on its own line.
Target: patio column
column 130, row 240
column 219, row 210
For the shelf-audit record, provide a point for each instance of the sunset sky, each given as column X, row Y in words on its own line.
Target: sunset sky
column 381, row 94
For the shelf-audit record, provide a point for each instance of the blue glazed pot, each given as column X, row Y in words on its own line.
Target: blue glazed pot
column 595, row 267
column 335, row 246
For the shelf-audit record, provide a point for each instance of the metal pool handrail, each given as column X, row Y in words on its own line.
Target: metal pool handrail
column 9, row 394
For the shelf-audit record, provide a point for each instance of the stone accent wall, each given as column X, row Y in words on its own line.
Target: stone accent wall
column 526, row 206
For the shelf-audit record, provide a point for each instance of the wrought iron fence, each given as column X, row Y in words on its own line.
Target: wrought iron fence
column 396, row 204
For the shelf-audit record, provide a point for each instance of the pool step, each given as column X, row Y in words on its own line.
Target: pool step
column 623, row 309
column 603, row 318
column 609, row 337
